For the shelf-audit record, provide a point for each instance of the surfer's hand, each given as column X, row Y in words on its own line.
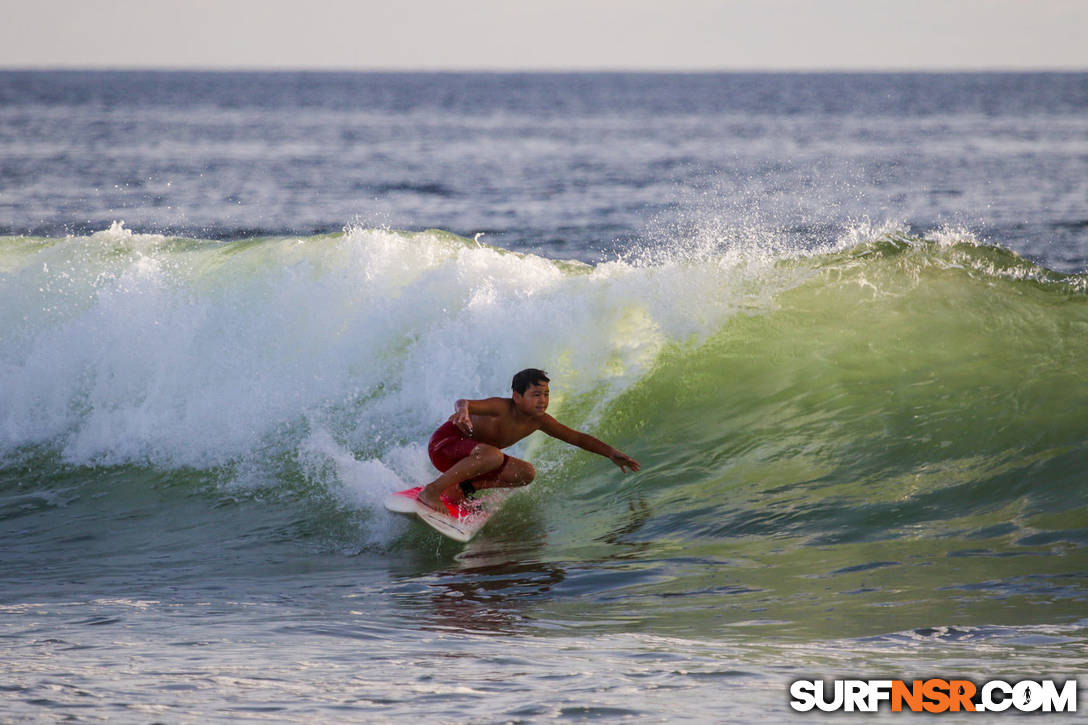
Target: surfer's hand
column 462, row 420
column 624, row 461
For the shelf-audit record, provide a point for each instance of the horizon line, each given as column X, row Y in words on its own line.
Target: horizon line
column 604, row 70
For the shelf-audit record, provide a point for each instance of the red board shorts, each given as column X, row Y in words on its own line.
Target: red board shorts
column 449, row 445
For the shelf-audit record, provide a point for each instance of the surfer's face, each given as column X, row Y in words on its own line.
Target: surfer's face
column 534, row 402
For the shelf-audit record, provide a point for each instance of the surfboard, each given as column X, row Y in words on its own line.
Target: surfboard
column 461, row 523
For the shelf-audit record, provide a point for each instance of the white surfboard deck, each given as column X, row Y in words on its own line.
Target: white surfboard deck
column 462, row 527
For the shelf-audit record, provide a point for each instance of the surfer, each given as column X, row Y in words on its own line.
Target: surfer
column 467, row 448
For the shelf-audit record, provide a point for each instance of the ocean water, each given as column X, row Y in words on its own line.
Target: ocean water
column 841, row 320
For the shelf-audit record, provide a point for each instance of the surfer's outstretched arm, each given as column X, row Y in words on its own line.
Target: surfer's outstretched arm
column 587, row 442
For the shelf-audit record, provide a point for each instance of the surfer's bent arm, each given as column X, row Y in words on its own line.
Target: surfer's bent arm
column 588, row 443
column 464, row 409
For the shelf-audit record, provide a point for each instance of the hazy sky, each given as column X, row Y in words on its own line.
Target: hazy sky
column 546, row 34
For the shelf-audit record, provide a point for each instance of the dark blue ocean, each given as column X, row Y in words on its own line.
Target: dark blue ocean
column 569, row 166
column 841, row 319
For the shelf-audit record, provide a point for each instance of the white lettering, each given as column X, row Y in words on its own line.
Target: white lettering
column 988, row 701
column 1064, row 701
column 1027, row 696
column 856, row 696
column 879, row 690
column 803, row 693
column 821, row 699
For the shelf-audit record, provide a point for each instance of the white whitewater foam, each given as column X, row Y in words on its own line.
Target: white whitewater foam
column 128, row 348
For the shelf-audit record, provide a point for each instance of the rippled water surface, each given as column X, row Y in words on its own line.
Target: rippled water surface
column 840, row 320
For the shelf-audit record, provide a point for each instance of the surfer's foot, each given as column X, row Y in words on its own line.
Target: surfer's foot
column 453, row 502
column 430, row 500
column 445, row 508
column 456, row 496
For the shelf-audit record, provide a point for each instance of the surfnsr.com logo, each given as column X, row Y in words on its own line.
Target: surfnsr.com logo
column 934, row 695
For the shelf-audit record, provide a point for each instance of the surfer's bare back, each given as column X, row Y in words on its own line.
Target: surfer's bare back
column 467, row 448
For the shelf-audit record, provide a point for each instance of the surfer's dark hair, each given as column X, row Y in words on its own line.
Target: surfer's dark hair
column 527, row 377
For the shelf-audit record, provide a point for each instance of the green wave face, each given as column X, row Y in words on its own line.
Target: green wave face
column 899, row 439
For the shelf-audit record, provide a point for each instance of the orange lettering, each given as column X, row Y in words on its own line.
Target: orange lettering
column 912, row 695
column 961, row 692
column 936, row 691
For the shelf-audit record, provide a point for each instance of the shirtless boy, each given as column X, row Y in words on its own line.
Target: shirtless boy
column 468, row 447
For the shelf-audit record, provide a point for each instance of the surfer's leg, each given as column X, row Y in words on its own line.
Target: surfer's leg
column 513, row 474
column 482, row 460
